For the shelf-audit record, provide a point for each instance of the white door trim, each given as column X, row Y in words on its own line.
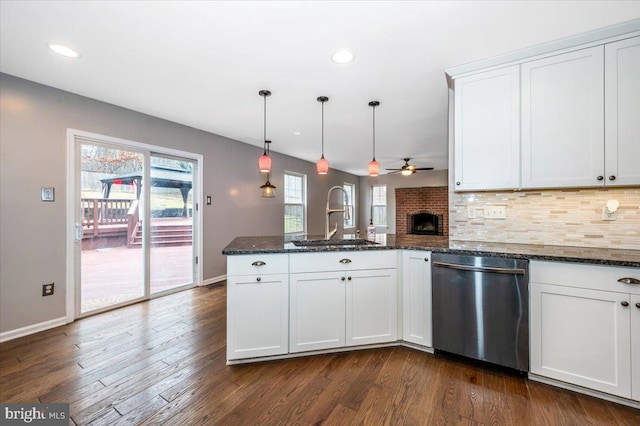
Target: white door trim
column 71, row 262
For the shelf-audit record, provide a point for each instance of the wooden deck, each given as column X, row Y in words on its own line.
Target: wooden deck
column 114, row 275
column 163, row 362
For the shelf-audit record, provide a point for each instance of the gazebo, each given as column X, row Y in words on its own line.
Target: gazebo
column 160, row 177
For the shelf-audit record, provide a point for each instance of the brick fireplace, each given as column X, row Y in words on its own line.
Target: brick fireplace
column 423, row 207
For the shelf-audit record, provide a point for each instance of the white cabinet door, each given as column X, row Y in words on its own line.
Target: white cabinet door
column 582, row 337
column 257, row 316
column 622, row 112
column 563, row 120
column 317, row 311
column 635, row 347
column 416, row 297
column 487, row 130
column 371, row 310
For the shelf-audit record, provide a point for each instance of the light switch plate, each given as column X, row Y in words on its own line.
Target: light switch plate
column 48, row 194
column 495, row 212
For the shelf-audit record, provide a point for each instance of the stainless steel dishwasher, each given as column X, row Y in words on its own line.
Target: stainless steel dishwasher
column 481, row 308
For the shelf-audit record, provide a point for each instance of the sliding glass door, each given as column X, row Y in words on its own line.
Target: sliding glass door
column 134, row 227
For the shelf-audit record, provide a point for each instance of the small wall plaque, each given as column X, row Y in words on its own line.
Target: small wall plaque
column 48, row 194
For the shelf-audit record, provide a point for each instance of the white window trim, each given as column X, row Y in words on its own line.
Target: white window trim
column 353, row 203
column 386, row 206
column 304, row 201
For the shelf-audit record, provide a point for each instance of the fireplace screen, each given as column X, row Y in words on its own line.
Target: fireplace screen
column 424, row 223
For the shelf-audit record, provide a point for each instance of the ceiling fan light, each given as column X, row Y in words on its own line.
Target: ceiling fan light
column 374, row 168
column 407, row 172
column 323, row 166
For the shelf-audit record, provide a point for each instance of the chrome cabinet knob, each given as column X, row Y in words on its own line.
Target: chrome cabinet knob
column 612, row 177
column 458, row 183
column 638, row 305
column 258, row 279
column 624, row 303
column 258, row 263
column 345, row 261
column 342, row 279
column 426, row 259
column 600, row 178
column 349, row 278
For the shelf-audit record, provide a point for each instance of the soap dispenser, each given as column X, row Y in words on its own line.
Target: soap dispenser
column 371, row 231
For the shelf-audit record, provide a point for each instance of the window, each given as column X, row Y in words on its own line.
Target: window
column 350, row 189
column 295, row 203
column 379, row 205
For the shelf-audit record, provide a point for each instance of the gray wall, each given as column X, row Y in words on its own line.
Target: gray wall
column 33, row 131
column 432, row 178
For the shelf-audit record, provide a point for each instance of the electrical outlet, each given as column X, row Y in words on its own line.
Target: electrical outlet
column 471, row 212
column 495, row 212
column 47, row 289
column 607, row 215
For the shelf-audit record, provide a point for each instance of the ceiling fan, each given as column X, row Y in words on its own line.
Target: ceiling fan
column 408, row 169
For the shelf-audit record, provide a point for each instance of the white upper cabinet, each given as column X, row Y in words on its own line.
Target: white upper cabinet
column 622, row 112
column 563, row 120
column 487, row 130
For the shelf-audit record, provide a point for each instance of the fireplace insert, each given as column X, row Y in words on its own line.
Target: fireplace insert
column 424, row 223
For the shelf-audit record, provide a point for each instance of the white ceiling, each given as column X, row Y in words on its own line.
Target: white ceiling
column 202, row 63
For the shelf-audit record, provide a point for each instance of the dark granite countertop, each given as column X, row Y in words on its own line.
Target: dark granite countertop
column 598, row 256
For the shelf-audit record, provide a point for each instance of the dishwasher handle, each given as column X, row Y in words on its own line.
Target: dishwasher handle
column 480, row 268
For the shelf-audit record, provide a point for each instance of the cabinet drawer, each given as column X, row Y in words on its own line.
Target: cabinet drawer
column 594, row 277
column 257, row 264
column 343, row 260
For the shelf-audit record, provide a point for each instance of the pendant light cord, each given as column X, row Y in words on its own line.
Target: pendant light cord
column 374, row 132
column 265, row 124
column 322, row 129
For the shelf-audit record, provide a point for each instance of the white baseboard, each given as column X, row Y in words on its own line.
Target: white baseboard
column 580, row 389
column 31, row 329
column 214, row 280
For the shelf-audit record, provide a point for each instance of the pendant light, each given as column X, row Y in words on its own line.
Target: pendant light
column 268, row 190
column 374, row 166
column 322, row 164
column 264, row 162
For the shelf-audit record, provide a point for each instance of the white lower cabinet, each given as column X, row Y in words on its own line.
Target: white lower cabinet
column 635, row 347
column 342, row 299
column 257, row 306
column 416, row 297
column 585, row 327
column 317, row 311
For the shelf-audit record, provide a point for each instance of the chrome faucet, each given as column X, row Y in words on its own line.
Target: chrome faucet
column 329, row 234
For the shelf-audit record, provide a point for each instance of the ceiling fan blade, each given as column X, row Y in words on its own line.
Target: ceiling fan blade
column 394, row 169
column 393, row 173
column 423, row 168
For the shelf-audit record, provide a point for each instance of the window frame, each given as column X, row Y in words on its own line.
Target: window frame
column 385, row 205
column 351, row 224
column 303, row 177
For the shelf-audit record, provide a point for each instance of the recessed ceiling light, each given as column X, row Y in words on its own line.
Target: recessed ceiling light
column 297, row 133
column 342, row 56
column 63, row 50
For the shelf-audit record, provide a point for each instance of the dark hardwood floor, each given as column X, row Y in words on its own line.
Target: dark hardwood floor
column 163, row 361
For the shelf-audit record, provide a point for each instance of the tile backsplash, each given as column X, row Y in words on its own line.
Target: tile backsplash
column 571, row 217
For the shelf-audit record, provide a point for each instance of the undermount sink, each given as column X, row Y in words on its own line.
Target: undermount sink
column 355, row 242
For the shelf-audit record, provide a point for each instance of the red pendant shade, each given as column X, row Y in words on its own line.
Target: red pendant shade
column 323, row 166
column 374, row 168
column 264, row 162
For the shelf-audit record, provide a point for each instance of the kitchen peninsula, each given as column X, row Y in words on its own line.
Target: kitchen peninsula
column 287, row 299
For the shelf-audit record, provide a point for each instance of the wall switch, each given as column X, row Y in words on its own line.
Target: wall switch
column 47, row 289
column 495, row 212
column 208, row 200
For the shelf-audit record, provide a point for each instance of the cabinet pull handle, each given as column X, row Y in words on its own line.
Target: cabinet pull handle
column 258, row 263
column 638, row 305
column 629, row 280
column 600, row 178
column 349, row 278
column 258, row 279
column 612, row 177
column 345, row 261
column 624, row 303
column 342, row 279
